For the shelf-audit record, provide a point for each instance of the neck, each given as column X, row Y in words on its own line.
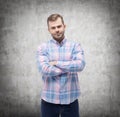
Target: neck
column 59, row 40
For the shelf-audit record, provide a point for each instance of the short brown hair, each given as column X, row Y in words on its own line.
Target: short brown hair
column 54, row 17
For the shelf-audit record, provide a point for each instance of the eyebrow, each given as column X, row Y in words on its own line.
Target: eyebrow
column 56, row 26
column 59, row 25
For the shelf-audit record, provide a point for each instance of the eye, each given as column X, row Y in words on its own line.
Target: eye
column 52, row 28
column 59, row 26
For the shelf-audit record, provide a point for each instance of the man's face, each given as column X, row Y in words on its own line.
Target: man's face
column 57, row 29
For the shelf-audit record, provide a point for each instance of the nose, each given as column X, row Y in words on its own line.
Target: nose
column 56, row 30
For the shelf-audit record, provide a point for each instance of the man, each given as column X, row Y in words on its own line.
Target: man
column 59, row 61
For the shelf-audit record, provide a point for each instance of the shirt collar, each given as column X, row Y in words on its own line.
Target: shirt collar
column 62, row 42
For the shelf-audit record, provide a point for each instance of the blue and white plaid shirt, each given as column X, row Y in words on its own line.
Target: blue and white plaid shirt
column 61, row 84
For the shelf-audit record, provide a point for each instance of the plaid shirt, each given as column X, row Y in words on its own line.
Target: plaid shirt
column 61, row 85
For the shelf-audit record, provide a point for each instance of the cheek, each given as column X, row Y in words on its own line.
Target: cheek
column 51, row 32
column 62, row 30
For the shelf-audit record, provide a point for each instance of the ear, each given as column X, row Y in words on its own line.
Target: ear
column 48, row 29
column 64, row 25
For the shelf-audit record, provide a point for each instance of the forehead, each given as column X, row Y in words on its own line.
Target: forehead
column 55, row 23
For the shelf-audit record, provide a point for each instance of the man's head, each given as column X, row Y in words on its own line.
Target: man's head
column 56, row 26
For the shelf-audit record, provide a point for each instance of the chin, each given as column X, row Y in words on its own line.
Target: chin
column 57, row 38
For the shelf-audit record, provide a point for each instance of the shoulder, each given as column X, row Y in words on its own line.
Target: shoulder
column 43, row 46
column 73, row 43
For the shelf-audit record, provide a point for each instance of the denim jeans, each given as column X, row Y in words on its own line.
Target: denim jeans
column 58, row 110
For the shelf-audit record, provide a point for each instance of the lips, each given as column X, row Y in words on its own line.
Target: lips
column 58, row 34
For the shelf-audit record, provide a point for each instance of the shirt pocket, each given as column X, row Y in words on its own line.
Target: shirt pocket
column 67, row 56
column 53, row 56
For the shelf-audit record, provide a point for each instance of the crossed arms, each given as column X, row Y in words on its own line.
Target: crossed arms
column 55, row 68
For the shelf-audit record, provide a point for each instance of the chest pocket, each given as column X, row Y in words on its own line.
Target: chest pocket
column 59, row 54
column 54, row 56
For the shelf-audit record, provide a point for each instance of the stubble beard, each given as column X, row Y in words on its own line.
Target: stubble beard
column 59, row 39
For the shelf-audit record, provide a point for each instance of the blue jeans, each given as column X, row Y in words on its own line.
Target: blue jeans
column 55, row 110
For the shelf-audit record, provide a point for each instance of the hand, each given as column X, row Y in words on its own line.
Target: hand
column 53, row 63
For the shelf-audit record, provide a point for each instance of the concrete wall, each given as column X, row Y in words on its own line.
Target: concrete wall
column 93, row 23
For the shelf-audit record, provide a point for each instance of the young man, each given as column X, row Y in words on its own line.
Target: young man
column 59, row 61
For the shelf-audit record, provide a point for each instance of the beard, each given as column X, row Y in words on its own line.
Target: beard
column 58, row 36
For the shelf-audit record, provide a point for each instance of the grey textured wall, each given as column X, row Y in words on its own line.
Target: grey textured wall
column 93, row 23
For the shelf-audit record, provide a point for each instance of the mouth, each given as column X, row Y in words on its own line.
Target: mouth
column 58, row 34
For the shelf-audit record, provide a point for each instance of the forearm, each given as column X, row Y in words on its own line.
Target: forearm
column 49, row 70
column 71, row 66
column 45, row 67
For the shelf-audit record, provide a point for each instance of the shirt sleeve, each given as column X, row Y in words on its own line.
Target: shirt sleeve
column 76, row 64
column 43, row 63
